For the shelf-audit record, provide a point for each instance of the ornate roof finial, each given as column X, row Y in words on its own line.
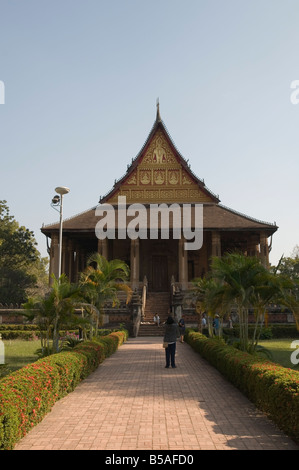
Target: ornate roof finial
column 158, row 118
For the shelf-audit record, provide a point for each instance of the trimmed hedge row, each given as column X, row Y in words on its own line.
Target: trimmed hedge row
column 28, row 394
column 22, row 327
column 271, row 387
column 272, row 331
column 20, row 334
column 27, row 335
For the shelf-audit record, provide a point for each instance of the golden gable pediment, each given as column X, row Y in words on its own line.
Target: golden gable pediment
column 160, row 177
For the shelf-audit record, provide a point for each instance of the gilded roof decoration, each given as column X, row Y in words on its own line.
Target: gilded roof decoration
column 160, row 176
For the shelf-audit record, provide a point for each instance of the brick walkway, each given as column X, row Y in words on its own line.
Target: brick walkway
column 131, row 402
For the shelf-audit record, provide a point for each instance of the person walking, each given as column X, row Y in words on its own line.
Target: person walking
column 171, row 334
column 216, row 325
column 182, row 328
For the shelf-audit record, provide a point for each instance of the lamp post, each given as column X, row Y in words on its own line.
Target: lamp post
column 58, row 201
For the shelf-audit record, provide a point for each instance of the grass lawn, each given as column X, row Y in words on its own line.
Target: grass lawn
column 19, row 353
column 281, row 351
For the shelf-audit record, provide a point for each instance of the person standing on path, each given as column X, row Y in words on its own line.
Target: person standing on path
column 182, row 328
column 171, row 334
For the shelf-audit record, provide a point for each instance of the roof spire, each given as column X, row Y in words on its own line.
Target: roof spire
column 158, row 118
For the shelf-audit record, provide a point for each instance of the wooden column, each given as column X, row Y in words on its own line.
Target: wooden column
column 183, row 264
column 103, row 248
column 216, row 244
column 82, row 261
column 252, row 247
column 76, row 263
column 135, row 264
column 264, row 249
column 70, row 268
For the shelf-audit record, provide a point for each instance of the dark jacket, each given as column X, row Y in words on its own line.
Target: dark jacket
column 172, row 332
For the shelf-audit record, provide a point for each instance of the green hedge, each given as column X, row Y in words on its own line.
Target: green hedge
column 284, row 331
column 28, row 394
column 20, row 334
column 272, row 331
column 19, row 327
column 25, row 332
column 271, row 387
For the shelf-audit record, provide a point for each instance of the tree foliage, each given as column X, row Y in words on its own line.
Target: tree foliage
column 54, row 311
column 100, row 283
column 242, row 283
column 20, row 262
column 289, row 266
column 58, row 309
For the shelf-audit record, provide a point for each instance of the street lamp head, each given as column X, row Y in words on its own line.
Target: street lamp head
column 62, row 190
column 56, row 199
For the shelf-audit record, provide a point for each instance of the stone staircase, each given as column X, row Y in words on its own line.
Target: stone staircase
column 156, row 303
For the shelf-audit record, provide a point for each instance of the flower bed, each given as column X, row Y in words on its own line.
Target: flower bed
column 272, row 388
column 28, row 394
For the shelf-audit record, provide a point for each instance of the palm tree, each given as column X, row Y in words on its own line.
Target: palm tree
column 100, row 283
column 242, row 277
column 53, row 311
column 209, row 295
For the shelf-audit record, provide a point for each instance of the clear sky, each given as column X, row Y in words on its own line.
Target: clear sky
column 82, row 78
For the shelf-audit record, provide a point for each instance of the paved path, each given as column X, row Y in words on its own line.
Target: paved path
column 131, row 402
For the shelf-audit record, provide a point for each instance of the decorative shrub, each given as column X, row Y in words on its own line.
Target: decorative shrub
column 272, row 331
column 20, row 334
column 19, row 327
column 28, row 394
column 272, row 388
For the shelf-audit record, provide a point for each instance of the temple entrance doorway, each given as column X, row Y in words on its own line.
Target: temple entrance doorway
column 160, row 273
column 159, row 262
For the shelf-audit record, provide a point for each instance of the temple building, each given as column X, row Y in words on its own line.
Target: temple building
column 159, row 175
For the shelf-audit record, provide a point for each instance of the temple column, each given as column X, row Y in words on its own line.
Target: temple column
column 70, row 250
column 76, row 263
column 183, row 264
column 264, row 249
column 103, row 248
column 82, row 261
column 216, row 244
column 135, row 264
column 252, row 248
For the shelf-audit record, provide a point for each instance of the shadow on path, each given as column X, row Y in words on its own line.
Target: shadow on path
column 132, row 402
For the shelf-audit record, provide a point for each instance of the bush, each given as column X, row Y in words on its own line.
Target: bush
column 20, row 334
column 25, row 332
column 284, row 331
column 19, row 327
column 28, row 394
column 271, row 387
column 272, row 331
